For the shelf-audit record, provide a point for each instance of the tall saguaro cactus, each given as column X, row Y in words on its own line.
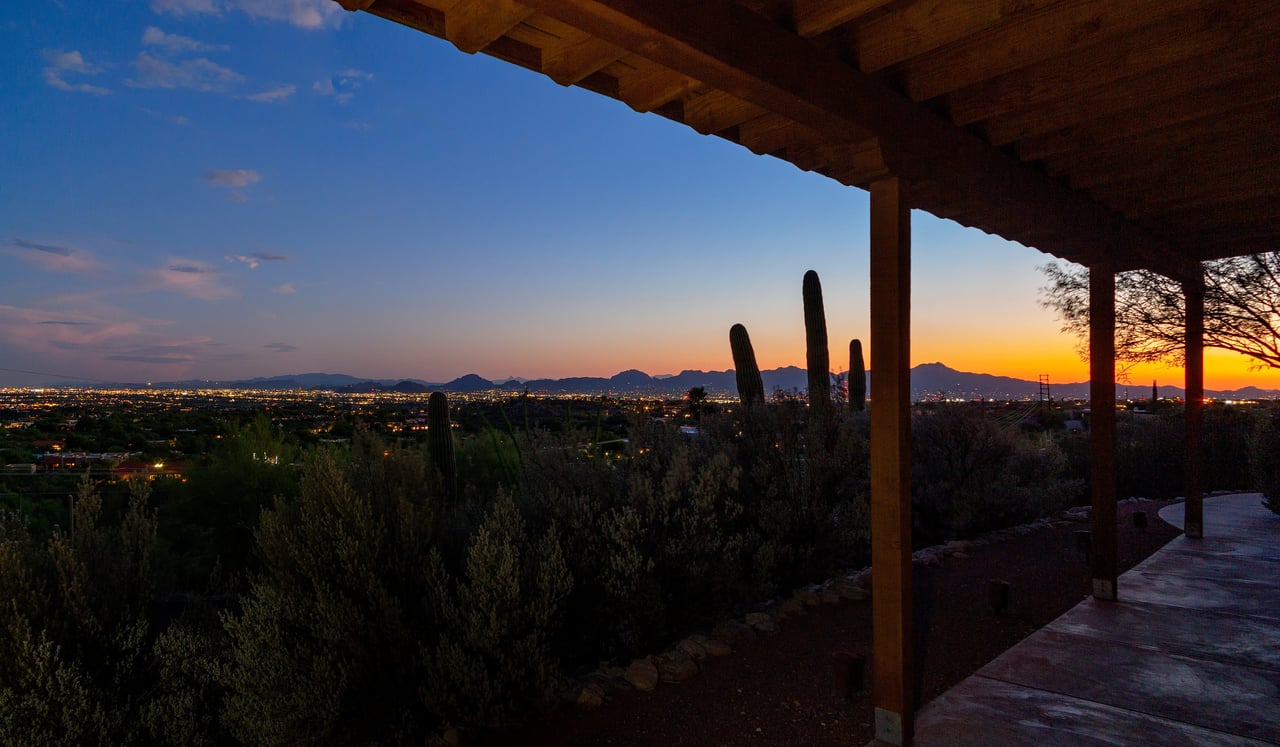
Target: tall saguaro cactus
column 440, row 442
column 857, row 377
column 750, row 385
column 816, row 354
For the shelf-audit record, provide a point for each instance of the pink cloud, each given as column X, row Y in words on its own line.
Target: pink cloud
column 53, row 257
column 191, row 278
column 86, row 344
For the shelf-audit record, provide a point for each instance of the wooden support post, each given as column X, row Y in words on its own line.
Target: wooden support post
column 892, row 667
column 1193, row 293
column 1102, row 435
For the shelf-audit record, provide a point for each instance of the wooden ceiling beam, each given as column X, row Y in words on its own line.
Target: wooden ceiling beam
column 1204, row 194
column 909, row 30
column 1172, row 86
column 472, row 25
column 771, row 133
column 1240, row 212
column 404, row 12
column 646, row 90
column 579, row 56
column 854, row 164
column 1187, row 163
column 1025, row 39
column 1259, row 231
column 1205, row 30
column 813, row 17
column 1066, row 159
column 745, row 54
column 1221, row 250
column 714, row 111
column 1208, row 106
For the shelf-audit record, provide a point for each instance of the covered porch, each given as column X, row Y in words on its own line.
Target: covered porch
column 1119, row 135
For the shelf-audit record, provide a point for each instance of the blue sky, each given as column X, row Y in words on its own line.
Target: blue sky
column 232, row 188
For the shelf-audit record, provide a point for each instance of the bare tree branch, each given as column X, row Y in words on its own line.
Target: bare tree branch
column 1241, row 314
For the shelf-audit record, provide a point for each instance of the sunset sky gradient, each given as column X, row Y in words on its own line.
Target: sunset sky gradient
column 233, row 188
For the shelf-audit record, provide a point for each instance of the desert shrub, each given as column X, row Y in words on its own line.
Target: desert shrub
column 325, row 647
column 651, row 539
column 185, row 704
column 497, row 620
column 74, row 633
column 688, row 528
column 379, row 618
column 971, row 475
column 1149, row 455
column 1227, row 447
column 1266, row 458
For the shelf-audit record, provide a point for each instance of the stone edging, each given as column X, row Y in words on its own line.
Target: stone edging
column 683, row 660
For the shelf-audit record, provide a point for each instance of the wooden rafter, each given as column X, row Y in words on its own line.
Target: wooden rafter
column 472, row 26
column 721, row 44
column 1073, row 27
column 1197, row 82
column 813, row 17
column 1206, row 29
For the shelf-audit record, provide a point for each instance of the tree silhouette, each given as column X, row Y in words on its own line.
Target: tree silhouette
column 1241, row 309
column 698, row 404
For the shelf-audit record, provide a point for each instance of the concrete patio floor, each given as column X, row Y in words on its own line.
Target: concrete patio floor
column 1190, row 655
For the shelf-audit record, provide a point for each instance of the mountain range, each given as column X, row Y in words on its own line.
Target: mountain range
column 928, row 380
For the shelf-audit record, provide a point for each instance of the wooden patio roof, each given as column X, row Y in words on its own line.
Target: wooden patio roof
column 1127, row 133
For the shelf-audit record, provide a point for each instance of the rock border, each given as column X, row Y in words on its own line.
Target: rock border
column 685, row 659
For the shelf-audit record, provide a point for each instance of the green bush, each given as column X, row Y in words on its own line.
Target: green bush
column 74, row 654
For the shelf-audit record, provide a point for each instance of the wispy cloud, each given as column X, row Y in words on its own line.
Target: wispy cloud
column 177, row 119
column 184, row 7
column 53, row 257
column 176, row 43
column 281, row 347
column 64, row 62
column 255, row 259
column 162, row 360
column 341, row 86
column 232, row 177
column 306, row 14
column 273, row 95
column 285, row 289
column 233, row 180
column 191, row 278
column 39, row 329
column 109, row 335
column 199, row 74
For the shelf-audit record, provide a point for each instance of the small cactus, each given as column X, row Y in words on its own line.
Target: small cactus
column 750, row 385
column 857, row 377
column 816, row 354
column 440, row 442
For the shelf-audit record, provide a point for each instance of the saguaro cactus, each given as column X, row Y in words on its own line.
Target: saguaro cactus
column 750, row 385
column 440, row 441
column 857, row 377
column 816, row 354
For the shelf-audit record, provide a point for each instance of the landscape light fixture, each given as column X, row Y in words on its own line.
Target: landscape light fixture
column 998, row 595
